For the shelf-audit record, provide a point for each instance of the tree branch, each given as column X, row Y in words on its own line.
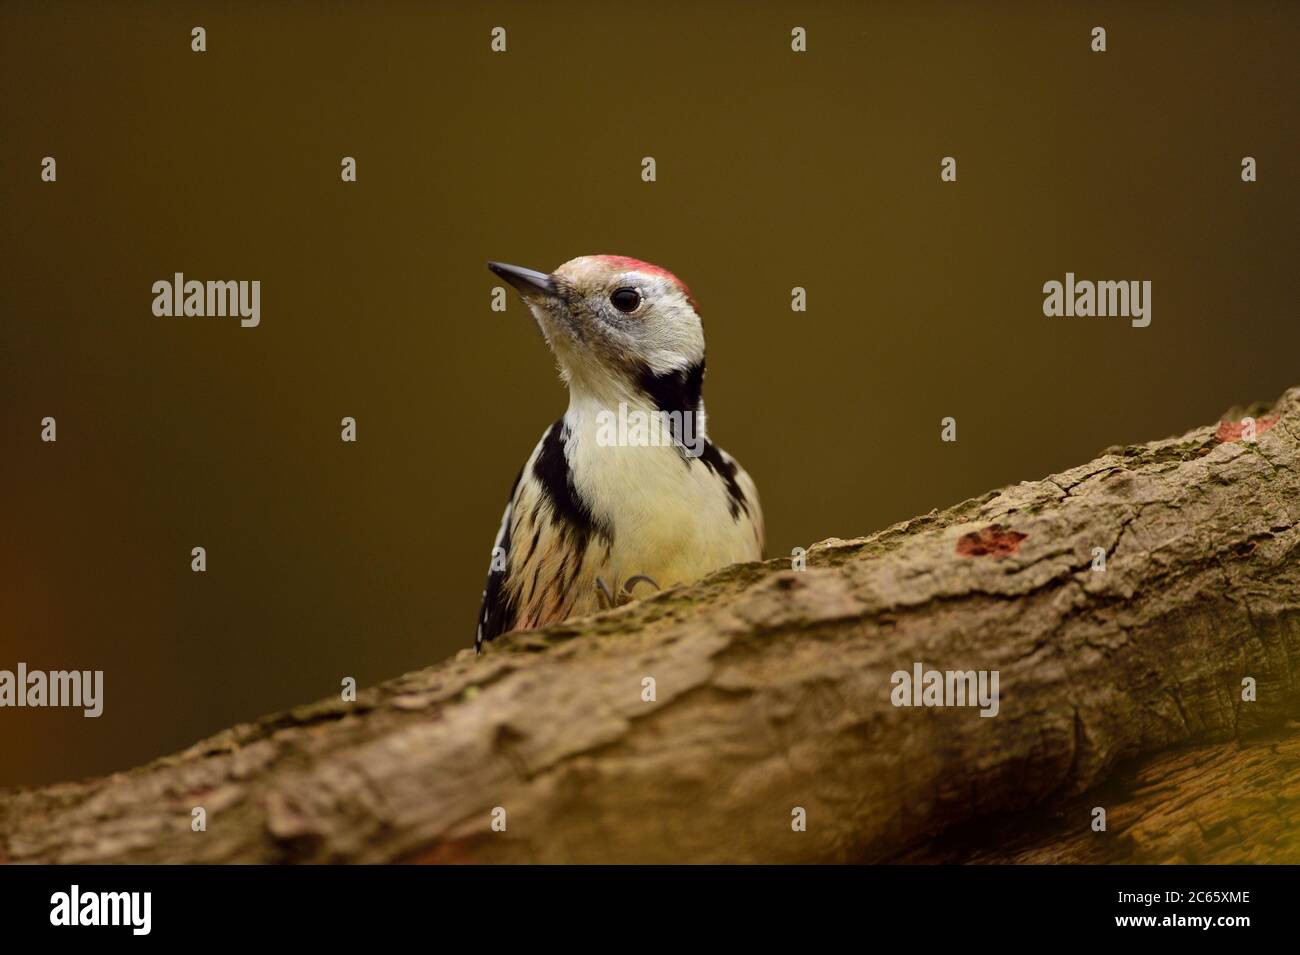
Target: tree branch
column 773, row 692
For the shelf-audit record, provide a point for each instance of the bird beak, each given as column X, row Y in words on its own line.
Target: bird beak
column 529, row 283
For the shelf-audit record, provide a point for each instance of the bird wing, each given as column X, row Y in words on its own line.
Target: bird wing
column 753, row 508
column 540, row 559
column 497, row 613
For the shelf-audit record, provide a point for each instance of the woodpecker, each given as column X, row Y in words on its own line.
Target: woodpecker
column 625, row 494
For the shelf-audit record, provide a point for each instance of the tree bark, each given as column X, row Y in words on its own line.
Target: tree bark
column 1119, row 688
column 1236, row 802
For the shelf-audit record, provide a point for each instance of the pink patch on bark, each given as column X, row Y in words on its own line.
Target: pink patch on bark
column 636, row 265
column 1233, row 430
column 993, row 540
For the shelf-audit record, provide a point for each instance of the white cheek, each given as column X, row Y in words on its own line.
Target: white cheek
column 674, row 341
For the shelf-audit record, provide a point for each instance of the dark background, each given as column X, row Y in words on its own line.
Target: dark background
column 327, row 559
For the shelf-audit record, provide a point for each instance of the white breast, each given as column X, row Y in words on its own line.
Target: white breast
column 671, row 517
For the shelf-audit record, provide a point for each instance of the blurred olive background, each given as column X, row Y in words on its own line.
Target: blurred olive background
column 820, row 170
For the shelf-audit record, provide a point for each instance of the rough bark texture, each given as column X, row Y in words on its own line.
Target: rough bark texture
column 1120, row 688
column 1226, row 802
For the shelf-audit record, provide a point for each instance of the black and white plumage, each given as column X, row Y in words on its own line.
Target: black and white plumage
column 603, row 504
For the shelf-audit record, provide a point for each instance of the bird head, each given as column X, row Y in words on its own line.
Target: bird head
column 620, row 328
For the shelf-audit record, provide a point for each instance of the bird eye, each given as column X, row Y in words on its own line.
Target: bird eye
column 625, row 299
